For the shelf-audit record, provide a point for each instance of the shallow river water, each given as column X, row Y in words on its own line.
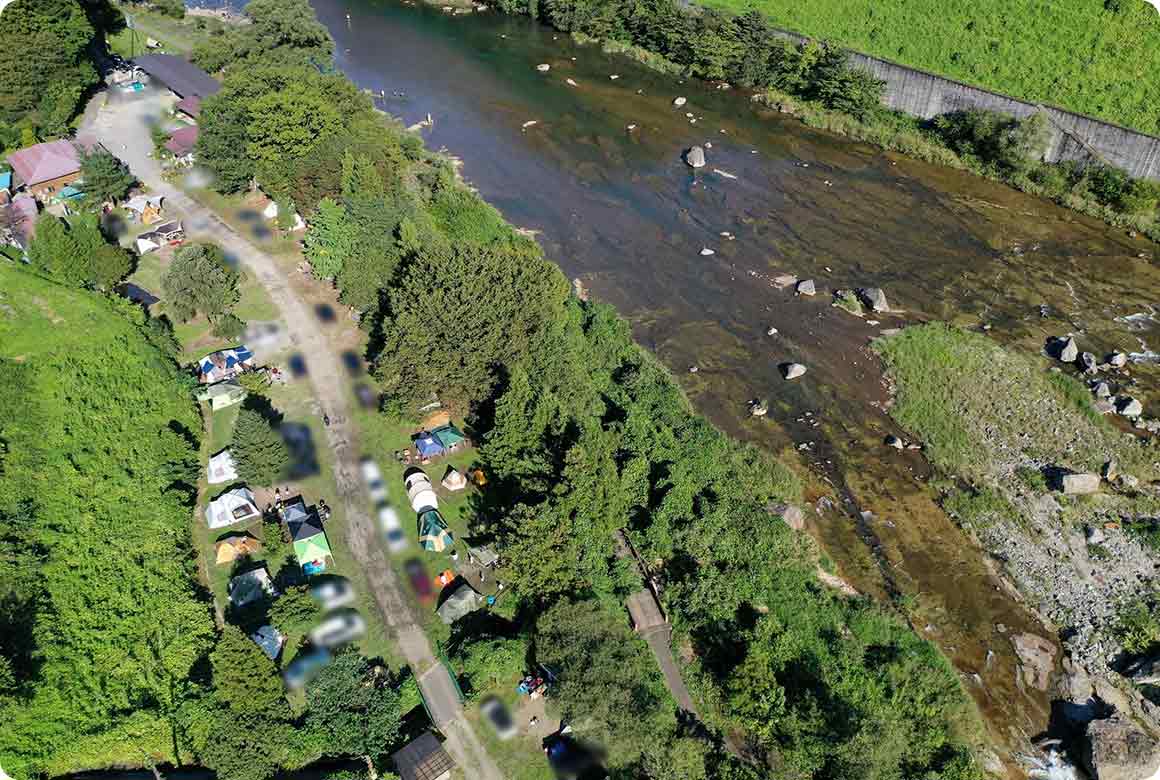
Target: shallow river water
column 619, row 209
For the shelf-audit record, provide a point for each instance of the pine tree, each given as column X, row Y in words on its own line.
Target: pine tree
column 105, row 178
column 259, row 451
column 244, row 678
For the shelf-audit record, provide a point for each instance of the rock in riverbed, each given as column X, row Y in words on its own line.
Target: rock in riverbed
column 678, row 102
column 543, row 67
column 792, row 370
column 1117, row 749
column 1087, row 361
column 1102, row 390
column 1117, row 359
column 695, row 157
column 1080, row 484
column 1069, row 351
column 1036, row 658
column 1129, row 407
column 875, row 298
column 758, row 408
column 806, row 287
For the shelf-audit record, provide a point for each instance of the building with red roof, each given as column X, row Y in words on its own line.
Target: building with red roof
column 45, row 169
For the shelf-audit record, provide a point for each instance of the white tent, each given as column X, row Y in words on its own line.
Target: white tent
column 234, row 506
column 454, row 480
column 221, row 468
column 423, row 498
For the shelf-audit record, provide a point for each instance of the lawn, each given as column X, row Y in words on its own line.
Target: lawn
column 176, row 36
column 1073, row 54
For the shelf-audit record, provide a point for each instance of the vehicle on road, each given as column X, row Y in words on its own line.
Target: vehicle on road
column 420, row 582
column 333, row 593
column 392, row 529
column 374, row 480
column 339, row 629
column 499, row 717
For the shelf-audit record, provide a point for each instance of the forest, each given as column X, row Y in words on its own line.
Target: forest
column 585, row 434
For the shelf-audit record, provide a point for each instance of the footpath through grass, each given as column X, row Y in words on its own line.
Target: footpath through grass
column 1076, row 55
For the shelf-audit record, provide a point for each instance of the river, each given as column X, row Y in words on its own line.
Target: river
column 619, row 209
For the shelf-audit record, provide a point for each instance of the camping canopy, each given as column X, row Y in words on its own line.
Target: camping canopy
column 463, row 601
column 433, row 533
column 428, row 446
column 454, row 480
column 312, row 552
column 449, row 436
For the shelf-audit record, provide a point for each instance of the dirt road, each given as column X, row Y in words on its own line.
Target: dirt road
column 123, row 127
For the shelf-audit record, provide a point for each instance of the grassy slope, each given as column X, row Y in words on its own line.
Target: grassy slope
column 1065, row 52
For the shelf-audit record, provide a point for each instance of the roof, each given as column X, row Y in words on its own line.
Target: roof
column 449, row 436
column 644, row 610
column 45, row 162
column 223, row 364
column 190, row 106
column 484, row 555
column 24, row 212
column 179, row 75
column 464, row 600
column 182, row 141
column 251, row 586
column 423, row 759
column 139, row 203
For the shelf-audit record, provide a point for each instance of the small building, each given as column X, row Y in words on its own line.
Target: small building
column 463, row 601
column 19, row 222
column 311, row 547
column 433, row 533
column 180, row 76
column 221, row 468
column 163, row 235
column 45, row 169
column 235, row 546
column 483, row 555
column 270, row 640
column 181, row 144
column 189, row 107
column 233, row 506
column 251, row 586
column 423, row 759
column 222, row 395
column 224, row 364
column 145, row 208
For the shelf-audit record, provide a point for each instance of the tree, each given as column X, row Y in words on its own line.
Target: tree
column 331, row 239
column 198, row 281
column 259, row 451
column 290, row 24
column 854, row 91
column 295, row 611
column 290, row 123
column 106, row 179
column 56, row 252
column 245, row 680
column 493, row 662
column 229, row 326
column 352, row 705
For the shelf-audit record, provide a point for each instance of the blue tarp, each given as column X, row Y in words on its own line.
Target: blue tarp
column 6, row 180
column 428, row 446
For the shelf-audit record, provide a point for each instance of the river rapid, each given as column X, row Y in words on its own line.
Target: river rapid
column 619, row 209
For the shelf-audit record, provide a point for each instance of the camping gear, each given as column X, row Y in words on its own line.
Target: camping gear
column 428, row 446
column 478, row 477
column 433, row 533
column 445, row 578
column 450, row 437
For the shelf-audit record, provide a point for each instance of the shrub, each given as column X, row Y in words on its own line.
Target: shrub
column 229, row 326
column 1138, row 628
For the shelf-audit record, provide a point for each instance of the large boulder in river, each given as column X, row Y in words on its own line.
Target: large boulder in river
column 1129, row 407
column 1036, row 659
column 875, row 298
column 678, row 102
column 1069, row 351
column 1118, row 359
column 695, row 157
column 792, row 370
column 1080, row 484
column 806, row 287
column 1118, row 749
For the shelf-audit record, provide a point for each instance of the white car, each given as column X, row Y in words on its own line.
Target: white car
column 392, row 529
column 374, row 480
column 339, row 629
column 333, row 593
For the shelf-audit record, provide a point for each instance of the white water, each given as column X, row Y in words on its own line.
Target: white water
column 1052, row 766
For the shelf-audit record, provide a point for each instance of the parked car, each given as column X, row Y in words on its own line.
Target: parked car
column 500, row 718
column 420, row 582
column 392, row 529
column 304, row 666
column 374, row 480
column 339, row 629
column 333, row 593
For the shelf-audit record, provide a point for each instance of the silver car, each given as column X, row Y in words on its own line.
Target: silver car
column 339, row 629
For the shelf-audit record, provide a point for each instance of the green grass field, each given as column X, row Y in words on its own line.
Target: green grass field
column 176, row 36
column 1069, row 53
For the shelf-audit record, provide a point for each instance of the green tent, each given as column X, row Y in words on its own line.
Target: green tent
column 312, row 553
column 433, row 533
column 449, row 436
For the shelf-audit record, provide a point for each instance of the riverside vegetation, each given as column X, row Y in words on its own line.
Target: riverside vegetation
column 583, row 433
column 814, row 82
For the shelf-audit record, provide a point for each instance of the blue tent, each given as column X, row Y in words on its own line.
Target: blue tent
column 428, row 446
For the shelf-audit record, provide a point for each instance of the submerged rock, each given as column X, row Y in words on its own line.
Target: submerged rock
column 706, row 251
column 695, row 157
column 1069, row 351
column 678, row 102
column 805, row 287
column 1080, row 484
column 543, row 67
column 792, row 370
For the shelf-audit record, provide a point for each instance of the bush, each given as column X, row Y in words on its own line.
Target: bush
column 229, row 326
column 1138, row 628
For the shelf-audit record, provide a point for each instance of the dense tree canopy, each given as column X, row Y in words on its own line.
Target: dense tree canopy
column 106, row 178
column 259, row 451
column 199, row 281
column 77, row 252
column 354, row 709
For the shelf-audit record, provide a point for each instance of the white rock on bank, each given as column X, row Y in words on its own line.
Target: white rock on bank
column 793, row 370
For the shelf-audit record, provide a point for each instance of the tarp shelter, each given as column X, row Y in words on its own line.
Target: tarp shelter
column 450, row 437
column 270, row 640
column 423, row 759
column 222, row 395
column 162, row 235
column 233, row 506
column 433, row 533
column 221, row 468
column 224, row 364
column 251, row 586
column 231, row 548
column 454, row 480
column 428, row 446
column 463, row 601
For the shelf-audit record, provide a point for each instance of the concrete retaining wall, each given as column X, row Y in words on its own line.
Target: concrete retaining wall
column 1073, row 136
